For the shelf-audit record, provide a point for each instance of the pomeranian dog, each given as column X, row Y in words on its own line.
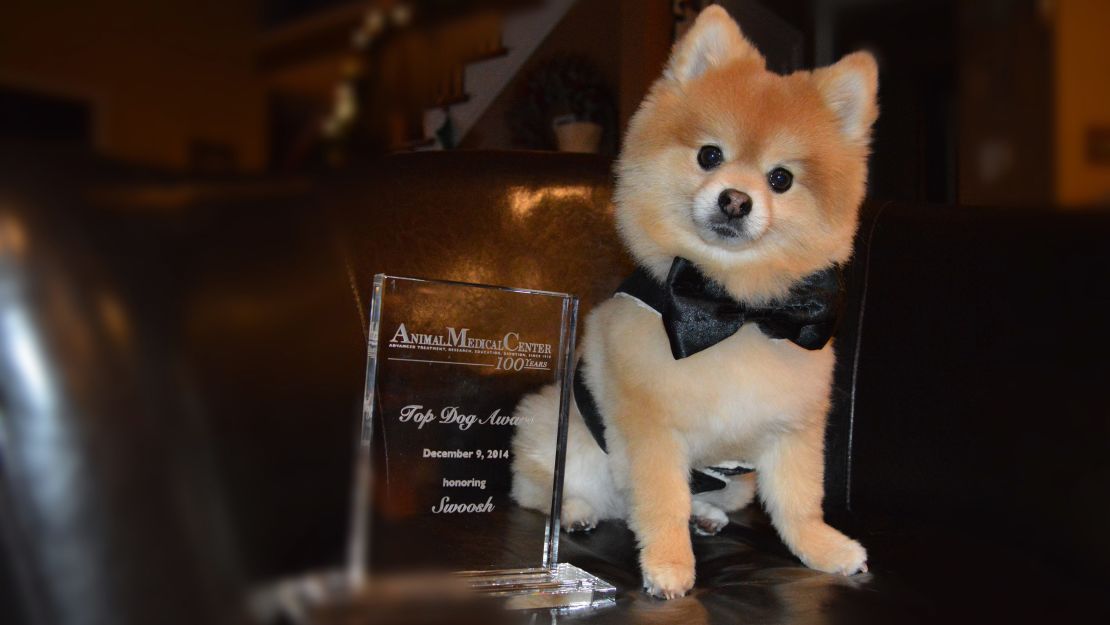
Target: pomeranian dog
column 738, row 193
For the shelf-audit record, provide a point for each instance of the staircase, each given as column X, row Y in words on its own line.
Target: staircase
column 480, row 81
column 402, row 73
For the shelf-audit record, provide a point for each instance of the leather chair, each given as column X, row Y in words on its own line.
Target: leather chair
column 181, row 381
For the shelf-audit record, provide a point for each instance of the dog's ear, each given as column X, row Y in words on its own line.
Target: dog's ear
column 850, row 88
column 712, row 41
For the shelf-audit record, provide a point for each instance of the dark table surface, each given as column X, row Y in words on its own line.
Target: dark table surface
column 746, row 575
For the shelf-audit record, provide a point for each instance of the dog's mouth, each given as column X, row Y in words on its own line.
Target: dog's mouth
column 726, row 235
column 725, row 231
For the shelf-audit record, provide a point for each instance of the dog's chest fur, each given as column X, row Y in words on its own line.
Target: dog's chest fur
column 727, row 402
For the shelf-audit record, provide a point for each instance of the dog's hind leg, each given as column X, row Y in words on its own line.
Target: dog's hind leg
column 707, row 519
column 739, row 493
column 589, row 494
column 708, row 513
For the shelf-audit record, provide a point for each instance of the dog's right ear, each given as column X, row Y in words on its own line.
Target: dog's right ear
column 712, row 41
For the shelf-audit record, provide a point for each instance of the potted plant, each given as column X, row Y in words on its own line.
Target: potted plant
column 564, row 104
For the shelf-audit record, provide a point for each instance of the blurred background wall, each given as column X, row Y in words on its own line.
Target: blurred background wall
column 996, row 102
column 1082, row 99
column 161, row 83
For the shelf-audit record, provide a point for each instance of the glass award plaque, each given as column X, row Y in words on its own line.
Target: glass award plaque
column 433, row 523
column 447, row 365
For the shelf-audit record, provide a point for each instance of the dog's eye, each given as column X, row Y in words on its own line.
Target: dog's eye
column 780, row 180
column 710, row 156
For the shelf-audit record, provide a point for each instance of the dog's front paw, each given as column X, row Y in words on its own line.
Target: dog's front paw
column 822, row 547
column 667, row 579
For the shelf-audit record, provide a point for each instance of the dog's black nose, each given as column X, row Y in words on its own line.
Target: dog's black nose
column 734, row 204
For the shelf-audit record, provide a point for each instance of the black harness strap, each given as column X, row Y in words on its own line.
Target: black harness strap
column 642, row 286
column 587, row 405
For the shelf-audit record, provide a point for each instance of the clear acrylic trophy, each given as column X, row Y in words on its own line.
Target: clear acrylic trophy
column 447, row 364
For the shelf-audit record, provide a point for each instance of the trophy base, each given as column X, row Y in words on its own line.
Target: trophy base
column 563, row 587
column 330, row 597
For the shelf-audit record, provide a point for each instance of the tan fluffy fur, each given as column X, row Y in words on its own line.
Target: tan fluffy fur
column 749, row 398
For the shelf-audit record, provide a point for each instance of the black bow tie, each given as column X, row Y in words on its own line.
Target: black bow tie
column 698, row 313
